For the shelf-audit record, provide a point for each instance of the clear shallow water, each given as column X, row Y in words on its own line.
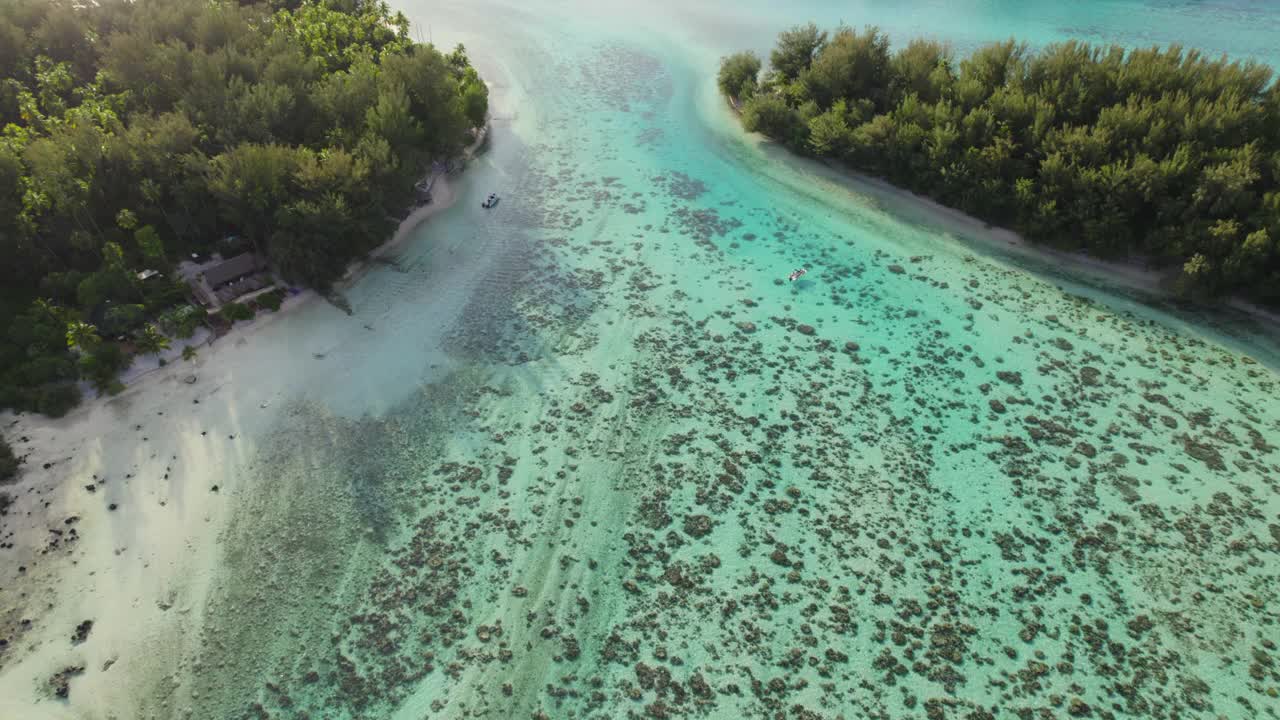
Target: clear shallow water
column 1239, row 28
column 586, row 456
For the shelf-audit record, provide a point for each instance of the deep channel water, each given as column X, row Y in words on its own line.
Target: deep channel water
column 609, row 464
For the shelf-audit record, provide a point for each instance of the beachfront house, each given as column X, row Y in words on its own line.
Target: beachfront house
column 223, row 281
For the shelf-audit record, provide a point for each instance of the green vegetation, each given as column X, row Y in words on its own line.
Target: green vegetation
column 134, row 133
column 56, row 399
column 8, row 461
column 270, row 300
column 182, row 321
column 738, row 75
column 151, row 341
column 1161, row 153
column 234, row 311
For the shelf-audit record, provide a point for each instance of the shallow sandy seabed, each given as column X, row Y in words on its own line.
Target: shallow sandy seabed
column 588, row 455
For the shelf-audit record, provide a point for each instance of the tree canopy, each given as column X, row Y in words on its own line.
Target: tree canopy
column 738, row 74
column 8, row 461
column 133, row 132
column 1160, row 152
column 795, row 49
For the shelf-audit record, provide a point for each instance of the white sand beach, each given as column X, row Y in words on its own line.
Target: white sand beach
column 117, row 512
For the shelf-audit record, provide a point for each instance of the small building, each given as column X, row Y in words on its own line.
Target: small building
column 225, row 281
column 147, row 274
column 228, row 271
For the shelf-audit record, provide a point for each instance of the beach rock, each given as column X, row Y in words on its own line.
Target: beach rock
column 190, row 379
column 1013, row 378
column 700, row 687
column 1079, row 708
column 60, row 682
column 697, row 525
column 1206, row 454
column 82, row 632
column 572, row 650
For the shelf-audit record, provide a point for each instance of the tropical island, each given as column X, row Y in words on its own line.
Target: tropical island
column 1162, row 154
column 283, row 136
column 591, row 453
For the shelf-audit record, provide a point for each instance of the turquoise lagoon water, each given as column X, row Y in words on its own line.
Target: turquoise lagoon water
column 587, row 455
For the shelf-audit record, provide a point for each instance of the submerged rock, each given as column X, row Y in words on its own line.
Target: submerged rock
column 60, row 682
column 82, row 632
column 697, row 525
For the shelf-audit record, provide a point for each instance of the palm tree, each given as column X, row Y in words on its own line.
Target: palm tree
column 82, row 336
column 55, row 313
column 188, row 353
column 151, row 341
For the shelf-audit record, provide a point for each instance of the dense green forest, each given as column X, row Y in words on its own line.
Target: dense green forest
column 1160, row 153
column 133, row 133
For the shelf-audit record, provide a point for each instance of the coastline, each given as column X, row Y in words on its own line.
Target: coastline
column 115, row 520
column 1132, row 273
column 118, row 508
column 442, row 198
column 524, row 594
column 138, row 377
column 1128, row 274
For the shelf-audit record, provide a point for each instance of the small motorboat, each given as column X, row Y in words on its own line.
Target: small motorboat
column 796, row 274
column 490, row 201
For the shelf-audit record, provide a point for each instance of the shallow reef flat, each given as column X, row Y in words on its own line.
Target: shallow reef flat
column 660, row 481
column 590, row 455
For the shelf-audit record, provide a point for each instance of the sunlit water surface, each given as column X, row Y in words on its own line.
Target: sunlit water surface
column 587, row 455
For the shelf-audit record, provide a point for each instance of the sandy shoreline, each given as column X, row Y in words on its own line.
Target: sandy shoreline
column 116, row 514
column 143, row 569
column 442, row 198
column 1129, row 274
